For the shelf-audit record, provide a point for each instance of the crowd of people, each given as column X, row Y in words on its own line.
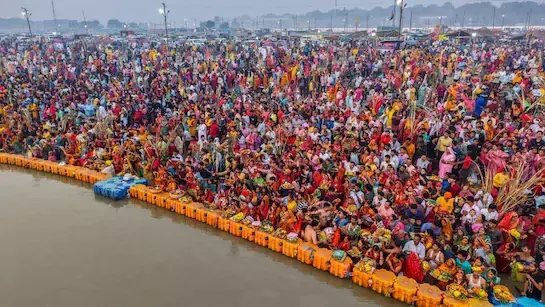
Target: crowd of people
column 333, row 142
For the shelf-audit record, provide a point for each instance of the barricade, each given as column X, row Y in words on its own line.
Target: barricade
column 235, row 229
column 341, row 269
column 181, row 207
column 290, row 248
column 362, row 278
column 34, row 164
column 3, row 158
column 151, row 196
column 453, row 302
column 223, row 223
column 27, row 163
column 305, row 252
column 201, row 215
column 162, row 199
column 171, row 204
column 383, row 281
column 19, row 160
column 262, row 238
column 191, row 210
column 405, row 289
column 11, row 159
column 275, row 244
column 428, row 296
column 322, row 259
column 212, row 219
column 248, row 233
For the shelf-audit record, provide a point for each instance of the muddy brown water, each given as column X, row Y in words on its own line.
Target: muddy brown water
column 62, row 246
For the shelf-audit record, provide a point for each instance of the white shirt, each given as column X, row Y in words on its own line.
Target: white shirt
column 419, row 249
column 489, row 216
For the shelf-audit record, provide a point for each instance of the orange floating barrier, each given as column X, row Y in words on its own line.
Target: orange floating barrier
column 62, row 170
column 305, row 252
column 70, row 170
column 405, row 289
column 202, row 215
column 290, row 248
column 19, row 160
column 454, row 302
column 322, row 259
column 47, row 167
column 79, row 173
column 34, row 163
column 171, row 204
column 11, row 159
column 162, row 200
column 142, row 192
column 133, row 192
column 383, row 281
column 248, row 233
column 183, row 208
column 275, row 244
column 151, row 197
column 3, row 158
column 235, row 228
column 191, row 210
column 362, row 278
column 428, row 296
column 54, row 167
column 223, row 223
column 341, row 268
column 26, row 163
column 212, row 219
column 262, row 238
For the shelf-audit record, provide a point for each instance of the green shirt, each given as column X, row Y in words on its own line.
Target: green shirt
column 464, row 265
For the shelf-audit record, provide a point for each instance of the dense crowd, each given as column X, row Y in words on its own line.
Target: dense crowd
column 396, row 158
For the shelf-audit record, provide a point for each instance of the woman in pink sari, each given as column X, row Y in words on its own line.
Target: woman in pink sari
column 497, row 159
column 446, row 163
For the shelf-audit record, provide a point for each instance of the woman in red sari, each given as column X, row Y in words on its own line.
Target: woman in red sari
column 413, row 268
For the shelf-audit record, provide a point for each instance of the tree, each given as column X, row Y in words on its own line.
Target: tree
column 224, row 25
column 114, row 24
column 209, row 24
column 95, row 24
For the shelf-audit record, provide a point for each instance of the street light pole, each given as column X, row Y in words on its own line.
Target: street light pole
column 24, row 12
column 502, row 20
column 401, row 7
column 163, row 11
column 494, row 18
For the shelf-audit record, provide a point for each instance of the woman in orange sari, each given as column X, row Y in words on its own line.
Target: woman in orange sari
column 446, row 230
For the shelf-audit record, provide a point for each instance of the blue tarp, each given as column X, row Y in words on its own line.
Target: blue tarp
column 522, row 302
column 116, row 188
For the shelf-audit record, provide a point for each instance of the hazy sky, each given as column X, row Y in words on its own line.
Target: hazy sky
column 147, row 11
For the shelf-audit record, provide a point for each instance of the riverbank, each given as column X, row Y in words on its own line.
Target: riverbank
column 382, row 282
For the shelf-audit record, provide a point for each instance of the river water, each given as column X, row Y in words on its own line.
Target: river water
column 62, row 246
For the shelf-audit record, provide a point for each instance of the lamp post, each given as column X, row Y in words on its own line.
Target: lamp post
column 26, row 14
column 163, row 11
column 308, row 25
column 401, row 4
column 502, row 20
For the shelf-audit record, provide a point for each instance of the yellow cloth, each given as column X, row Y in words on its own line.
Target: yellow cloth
column 444, row 204
column 292, row 205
